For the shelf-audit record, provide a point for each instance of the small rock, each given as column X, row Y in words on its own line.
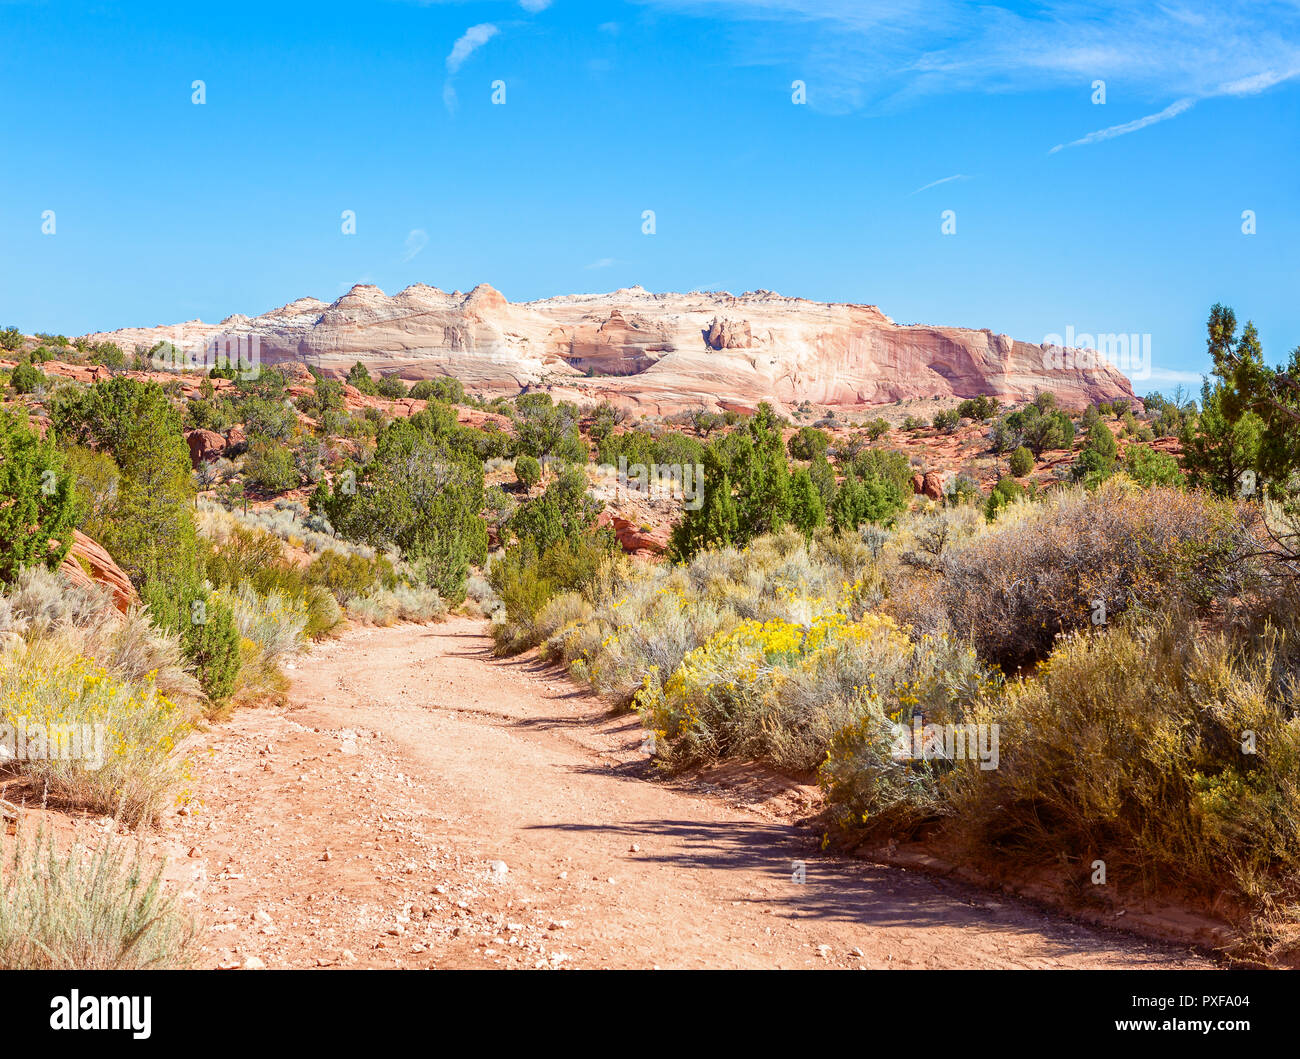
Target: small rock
column 498, row 867
column 254, row 964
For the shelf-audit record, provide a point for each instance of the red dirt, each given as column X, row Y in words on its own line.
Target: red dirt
column 415, row 759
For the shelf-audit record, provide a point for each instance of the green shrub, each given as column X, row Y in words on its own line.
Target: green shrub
column 1099, row 457
column 359, row 376
column 1021, row 462
column 1006, row 490
column 947, row 420
column 149, row 529
column 349, row 575
column 442, row 389
column 808, row 443
column 391, row 387
column 270, row 466
column 423, row 495
column 26, row 378
column 867, row 500
column 38, row 503
column 211, row 643
column 1149, row 467
column 528, row 472
column 978, row 408
column 746, row 488
column 526, row 579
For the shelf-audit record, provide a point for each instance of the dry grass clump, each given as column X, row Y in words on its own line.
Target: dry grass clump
column 272, row 632
column 403, row 602
column 87, row 909
column 42, row 607
column 1042, row 569
column 289, row 521
column 481, row 599
column 1175, row 758
column 641, row 622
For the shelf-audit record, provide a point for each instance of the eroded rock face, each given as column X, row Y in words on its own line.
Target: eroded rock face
column 635, row 539
column 655, row 352
column 103, row 571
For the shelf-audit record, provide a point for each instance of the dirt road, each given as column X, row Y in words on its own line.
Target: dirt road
column 422, row 804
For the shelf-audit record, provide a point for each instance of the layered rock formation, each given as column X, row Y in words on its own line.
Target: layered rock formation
column 655, row 352
column 87, row 564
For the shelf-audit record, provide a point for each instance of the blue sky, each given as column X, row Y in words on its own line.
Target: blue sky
column 1117, row 217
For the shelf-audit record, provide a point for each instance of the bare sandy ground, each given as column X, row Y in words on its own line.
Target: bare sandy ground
column 419, row 803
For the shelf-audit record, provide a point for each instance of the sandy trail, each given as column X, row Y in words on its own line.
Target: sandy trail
column 358, row 826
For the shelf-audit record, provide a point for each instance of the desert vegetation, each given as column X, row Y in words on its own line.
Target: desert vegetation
column 1111, row 590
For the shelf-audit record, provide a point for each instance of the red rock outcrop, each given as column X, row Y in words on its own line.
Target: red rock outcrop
column 205, row 446
column 103, row 571
column 656, row 352
column 633, row 538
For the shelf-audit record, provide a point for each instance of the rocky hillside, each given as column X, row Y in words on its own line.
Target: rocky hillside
column 657, row 352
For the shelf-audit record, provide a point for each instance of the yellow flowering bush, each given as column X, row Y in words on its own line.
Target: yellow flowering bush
column 122, row 757
column 780, row 690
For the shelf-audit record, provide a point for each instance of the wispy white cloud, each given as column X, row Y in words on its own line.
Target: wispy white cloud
column 1251, row 86
column 466, row 45
column 533, row 6
column 603, row 262
column 886, row 52
column 416, row 240
column 1244, row 86
column 936, row 183
column 1109, row 133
